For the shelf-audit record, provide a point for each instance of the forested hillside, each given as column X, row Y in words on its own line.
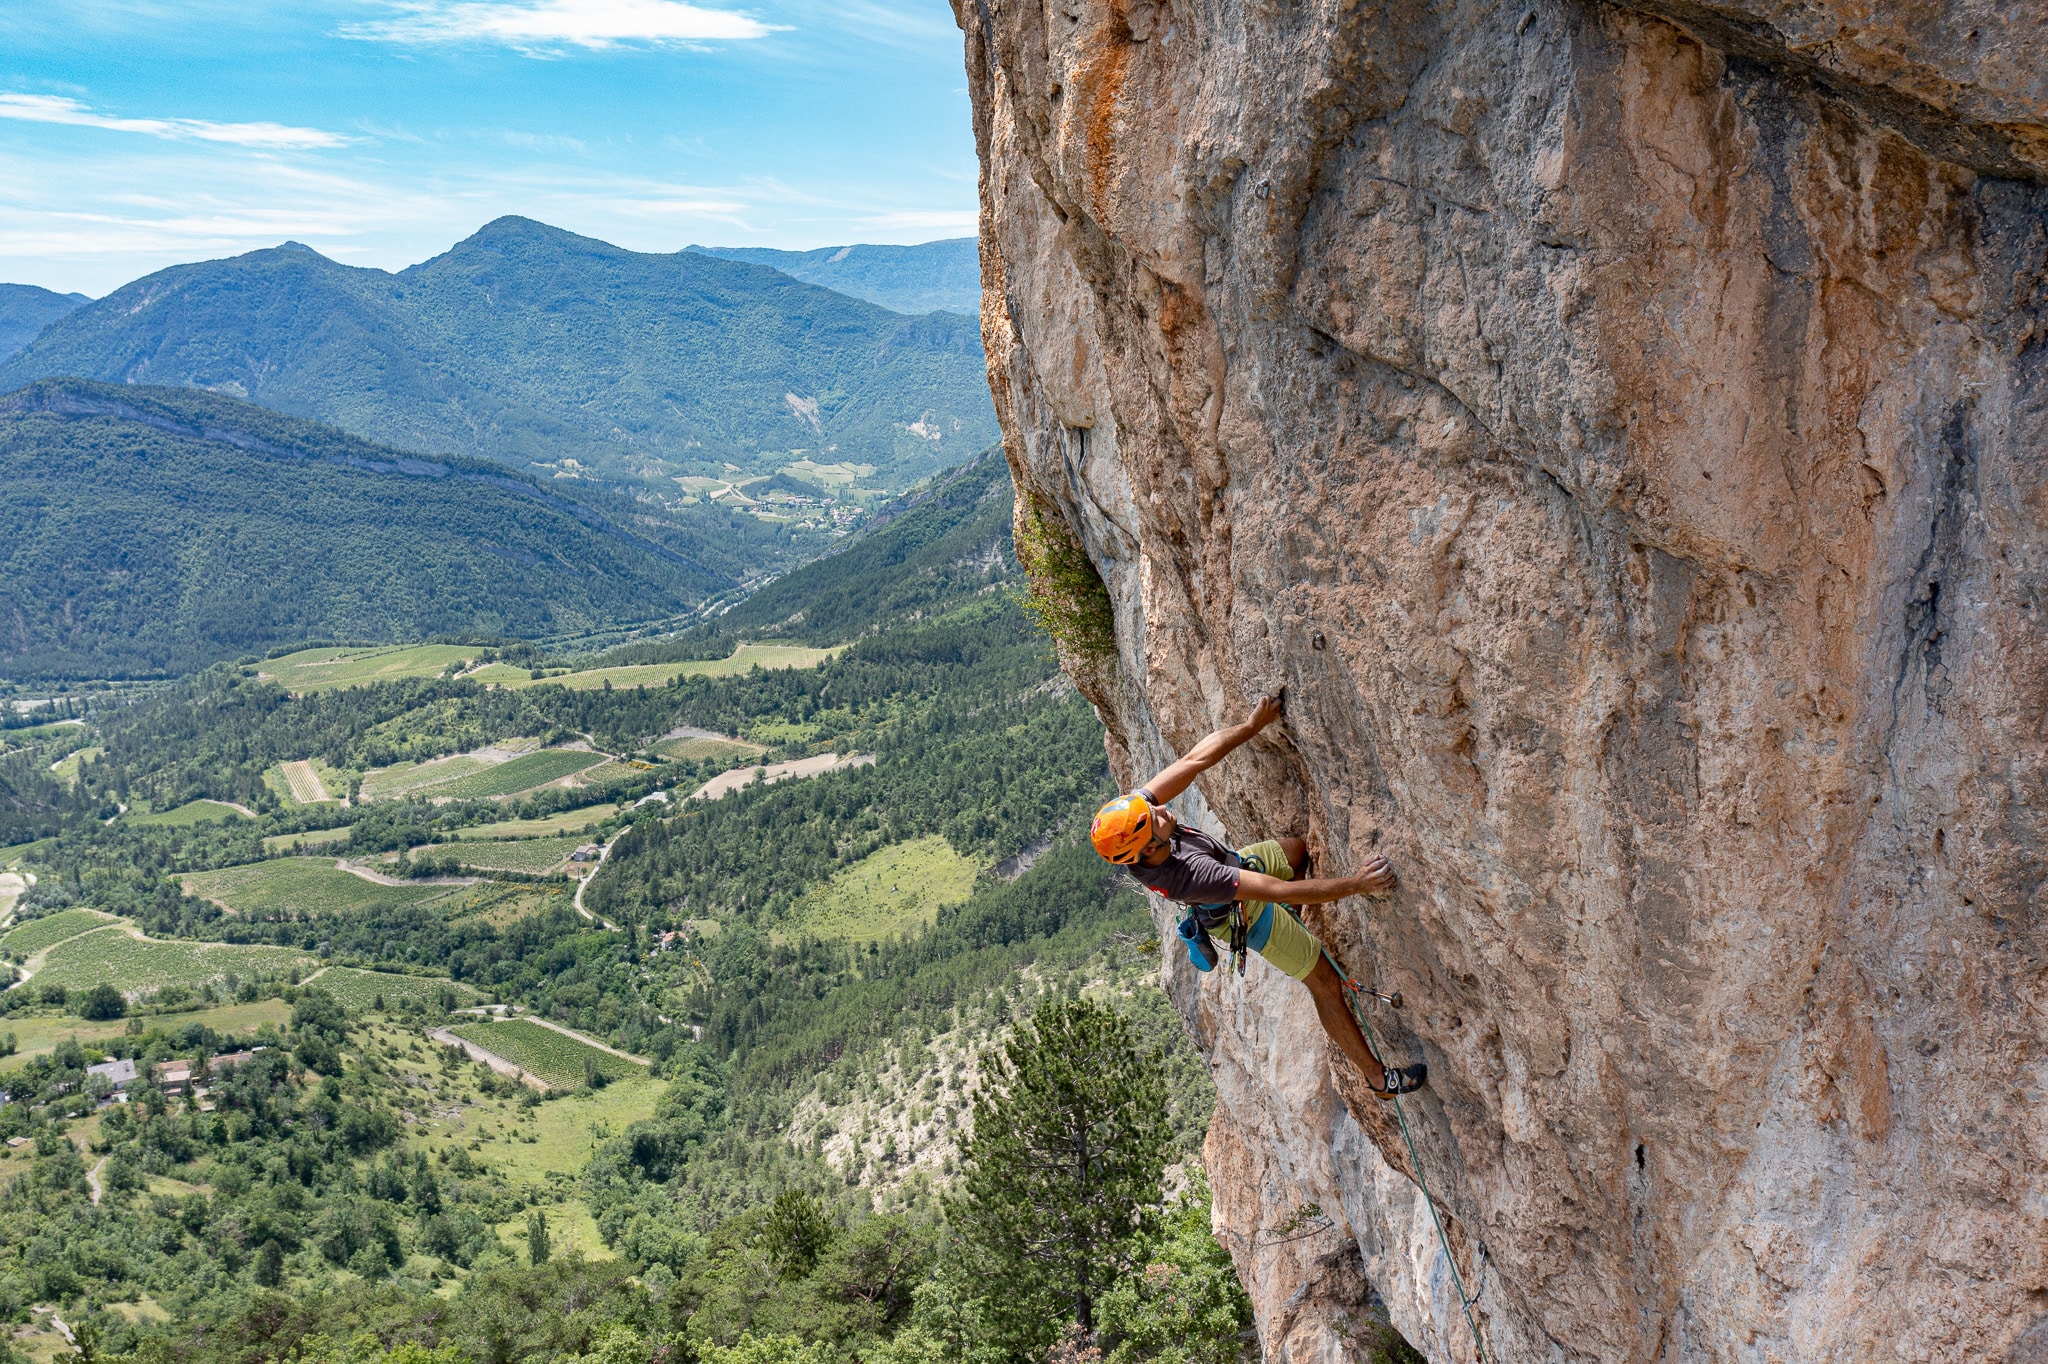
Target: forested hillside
column 908, row 279
column 532, row 346
column 156, row 530
column 25, row 310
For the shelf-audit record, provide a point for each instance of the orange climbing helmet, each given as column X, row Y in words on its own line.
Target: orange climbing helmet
column 1122, row 828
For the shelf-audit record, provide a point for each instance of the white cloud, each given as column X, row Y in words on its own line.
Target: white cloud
column 965, row 220
column 268, row 136
column 540, row 25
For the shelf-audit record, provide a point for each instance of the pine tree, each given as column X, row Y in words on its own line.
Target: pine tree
column 1070, row 1140
column 537, row 1247
column 270, row 1264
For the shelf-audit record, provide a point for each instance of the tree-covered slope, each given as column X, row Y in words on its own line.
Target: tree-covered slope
column 923, row 554
column 526, row 344
column 25, row 310
column 910, row 279
column 156, row 530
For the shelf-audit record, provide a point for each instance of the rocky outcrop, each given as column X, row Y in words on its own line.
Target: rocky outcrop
column 1620, row 428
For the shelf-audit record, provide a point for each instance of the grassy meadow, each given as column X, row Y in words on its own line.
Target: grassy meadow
column 895, row 890
column 190, row 813
column 332, row 839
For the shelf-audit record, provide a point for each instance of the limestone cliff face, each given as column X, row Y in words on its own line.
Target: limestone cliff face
column 1621, row 429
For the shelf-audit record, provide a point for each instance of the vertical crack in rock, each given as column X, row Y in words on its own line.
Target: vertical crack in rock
column 1621, row 429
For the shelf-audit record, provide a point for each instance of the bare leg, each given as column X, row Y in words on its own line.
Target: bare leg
column 1327, row 989
column 1297, row 857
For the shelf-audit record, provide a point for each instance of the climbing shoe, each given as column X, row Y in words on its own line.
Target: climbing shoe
column 1404, row 1080
column 1201, row 951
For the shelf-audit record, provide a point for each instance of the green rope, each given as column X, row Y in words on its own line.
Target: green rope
column 1351, row 991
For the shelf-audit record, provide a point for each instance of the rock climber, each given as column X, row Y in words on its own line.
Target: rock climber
column 1244, row 888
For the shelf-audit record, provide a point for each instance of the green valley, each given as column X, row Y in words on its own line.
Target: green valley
column 464, row 1075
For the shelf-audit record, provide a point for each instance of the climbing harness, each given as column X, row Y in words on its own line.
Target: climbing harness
column 1353, row 989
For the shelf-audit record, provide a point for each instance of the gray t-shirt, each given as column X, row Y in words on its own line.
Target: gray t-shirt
column 1198, row 871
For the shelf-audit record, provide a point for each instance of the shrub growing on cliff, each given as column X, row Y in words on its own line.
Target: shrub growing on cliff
column 1062, row 1182
column 1066, row 596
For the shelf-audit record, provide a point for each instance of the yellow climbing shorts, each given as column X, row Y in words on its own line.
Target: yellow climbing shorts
column 1275, row 933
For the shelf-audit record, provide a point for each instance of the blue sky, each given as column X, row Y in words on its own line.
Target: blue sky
column 136, row 134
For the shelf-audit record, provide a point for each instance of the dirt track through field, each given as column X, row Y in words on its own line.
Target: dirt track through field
column 307, row 788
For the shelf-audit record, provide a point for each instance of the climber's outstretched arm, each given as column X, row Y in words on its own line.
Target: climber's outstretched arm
column 1206, row 754
column 1375, row 875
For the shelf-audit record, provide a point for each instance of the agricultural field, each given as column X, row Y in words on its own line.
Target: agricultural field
column 895, row 890
column 190, row 813
column 132, row 965
column 312, row 782
column 611, row 774
column 35, row 935
column 486, row 772
column 335, row 839
column 837, row 477
column 406, row 779
column 747, row 656
column 533, row 855
column 568, row 822
column 35, row 1036
column 706, row 748
column 358, row 990
column 311, row 670
column 309, row 884
column 557, row 1059
column 503, row 903
column 521, row 774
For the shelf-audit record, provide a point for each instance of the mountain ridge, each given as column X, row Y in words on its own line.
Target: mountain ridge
column 539, row 348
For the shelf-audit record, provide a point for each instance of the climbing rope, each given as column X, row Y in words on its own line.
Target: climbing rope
column 1353, row 989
